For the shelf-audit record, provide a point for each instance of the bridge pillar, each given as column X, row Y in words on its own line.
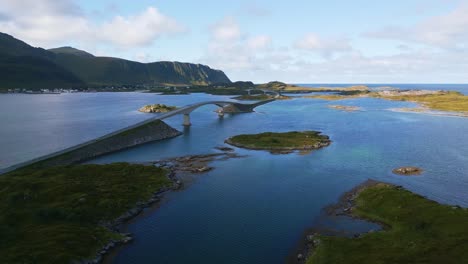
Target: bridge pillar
column 187, row 120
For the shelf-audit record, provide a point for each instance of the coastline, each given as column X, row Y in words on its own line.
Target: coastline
column 283, row 150
column 343, row 207
column 179, row 168
column 428, row 236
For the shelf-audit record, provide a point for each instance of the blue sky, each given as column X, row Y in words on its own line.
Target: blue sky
column 361, row 41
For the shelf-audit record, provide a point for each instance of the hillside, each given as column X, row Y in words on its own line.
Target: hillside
column 23, row 66
column 72, row 51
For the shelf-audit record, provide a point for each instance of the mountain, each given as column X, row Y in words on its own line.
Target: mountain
column 72, row 51
column 23, row 66
column 114, row 71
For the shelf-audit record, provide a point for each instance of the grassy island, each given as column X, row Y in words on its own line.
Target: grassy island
column 279, row 142
column 58, row 215
column 157, row 108
column 417, row 230
column 436, row 100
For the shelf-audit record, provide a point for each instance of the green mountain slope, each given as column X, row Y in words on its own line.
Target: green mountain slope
column 114, row 71
column 23, row 66
column 72, row 51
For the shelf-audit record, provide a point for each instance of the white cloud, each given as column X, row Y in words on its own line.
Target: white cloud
column 259, row 42
column 226, row 30
column 139, row 30
column 234, row 51
column 447, row 31
column 327, row 47
column 50, row 22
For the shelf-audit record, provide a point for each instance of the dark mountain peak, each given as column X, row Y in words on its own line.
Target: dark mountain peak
column 14, row 47
column 71, row 50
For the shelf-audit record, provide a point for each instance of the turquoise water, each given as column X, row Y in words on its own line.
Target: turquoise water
column 254, row 209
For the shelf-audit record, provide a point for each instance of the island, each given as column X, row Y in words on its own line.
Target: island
column 346, row 108
column 415, row 229
column 408, row 171
column 451, row 102
column 157, row 108
column 281, row 143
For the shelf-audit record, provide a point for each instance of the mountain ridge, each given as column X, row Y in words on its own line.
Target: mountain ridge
column 24, row 66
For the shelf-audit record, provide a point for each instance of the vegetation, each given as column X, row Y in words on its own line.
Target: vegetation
column 157, row 108
column 280, row 86
column 419, row 231
column 444, row 101
column 281, row 141
column 259, row 97
column 22, row 66
column 54, row 215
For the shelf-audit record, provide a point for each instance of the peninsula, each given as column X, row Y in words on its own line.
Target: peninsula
column 435, row 234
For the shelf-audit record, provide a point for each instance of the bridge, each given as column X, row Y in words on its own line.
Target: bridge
column 149, row 130
column 225, row 107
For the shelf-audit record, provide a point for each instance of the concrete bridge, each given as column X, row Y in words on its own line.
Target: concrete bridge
column 152, row 129
column 225, row 107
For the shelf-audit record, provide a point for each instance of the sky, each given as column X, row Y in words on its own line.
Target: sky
column 295, row 41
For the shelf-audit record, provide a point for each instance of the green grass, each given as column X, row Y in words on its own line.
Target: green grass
column 450, row 101
column 52, row 215
column 270, row 140
column 257, row 97
column 420, row 231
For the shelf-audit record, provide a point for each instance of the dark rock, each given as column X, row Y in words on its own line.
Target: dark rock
column 408, row 171
column 225, row 149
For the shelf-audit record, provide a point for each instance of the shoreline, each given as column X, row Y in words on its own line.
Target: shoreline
column 427, row 111
column 343, row 207
column 282, row 150
column 179, row 168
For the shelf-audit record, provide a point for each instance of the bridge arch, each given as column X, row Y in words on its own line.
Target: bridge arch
column 234, row 108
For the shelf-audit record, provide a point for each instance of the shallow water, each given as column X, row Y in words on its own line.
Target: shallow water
column 254, row 209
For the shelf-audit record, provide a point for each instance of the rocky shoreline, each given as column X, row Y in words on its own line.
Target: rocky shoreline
column 408, row 171
column 177, row 167
column 345, row 108
column 157, row 108
column 343, row 207
column 283, row 150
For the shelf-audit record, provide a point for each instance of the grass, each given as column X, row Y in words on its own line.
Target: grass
column 270, row 140
column 420, row 231
column 330, row 97
column 53, row 215
column 257, row 97
column 449, row 101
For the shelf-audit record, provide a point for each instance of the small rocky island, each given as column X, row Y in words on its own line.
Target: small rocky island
column 281, row 143
column 157, row 108
column 345, row 108
column 408, row 171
